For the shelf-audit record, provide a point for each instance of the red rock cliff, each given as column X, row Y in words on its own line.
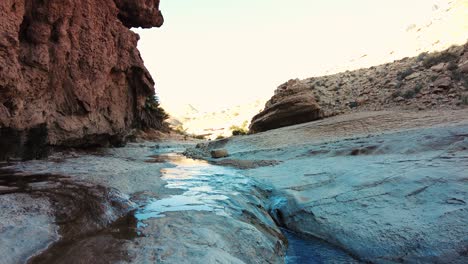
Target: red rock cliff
column 70, row 73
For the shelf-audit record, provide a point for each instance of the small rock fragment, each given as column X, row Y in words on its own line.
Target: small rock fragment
column 219, row 153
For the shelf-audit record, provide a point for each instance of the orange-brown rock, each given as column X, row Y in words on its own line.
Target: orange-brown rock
column 291, row 104
column 70, row 73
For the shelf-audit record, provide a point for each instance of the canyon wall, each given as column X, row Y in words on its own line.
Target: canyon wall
column 71, row 75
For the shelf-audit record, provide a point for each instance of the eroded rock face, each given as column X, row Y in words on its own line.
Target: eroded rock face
column 72, row 69
column 290, row 105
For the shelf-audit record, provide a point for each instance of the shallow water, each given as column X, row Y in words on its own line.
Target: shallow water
column 305, row 250
column 205, row 188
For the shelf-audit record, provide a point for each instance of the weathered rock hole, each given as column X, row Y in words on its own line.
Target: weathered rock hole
column 278, row 217
column 24, row 28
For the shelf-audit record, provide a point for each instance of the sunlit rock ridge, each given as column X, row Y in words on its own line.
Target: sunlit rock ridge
column 437, row 80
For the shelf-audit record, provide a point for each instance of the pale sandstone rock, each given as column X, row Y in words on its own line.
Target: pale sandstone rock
column 413, row 76
column 464, row 67
column 439, row 67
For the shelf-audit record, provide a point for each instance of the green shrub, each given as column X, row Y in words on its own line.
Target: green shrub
column 418, row 87
column 403, row 74
column 458, row 76
column 152, row 104
column 353, row 104
column 399, row 85
column 152, row 115
column 198, row 136
column 421, row 56
column 464, row 98
column 408, row 94
column 180, row 129
column 396, row 94
column 240, row 130
column 411, row 93
column 438, row 57
column 452, row 66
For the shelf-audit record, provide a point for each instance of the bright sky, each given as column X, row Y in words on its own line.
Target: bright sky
column 219, row 53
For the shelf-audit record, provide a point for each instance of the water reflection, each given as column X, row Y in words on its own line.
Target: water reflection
column 205, row 187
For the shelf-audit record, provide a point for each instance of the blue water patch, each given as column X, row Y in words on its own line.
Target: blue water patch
column 306, row 250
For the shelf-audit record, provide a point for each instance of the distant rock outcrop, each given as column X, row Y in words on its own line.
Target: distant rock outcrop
column 290, row 105
column 70, row 73
column 429, row 81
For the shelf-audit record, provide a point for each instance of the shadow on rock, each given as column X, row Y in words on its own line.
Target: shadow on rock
column 94, row 221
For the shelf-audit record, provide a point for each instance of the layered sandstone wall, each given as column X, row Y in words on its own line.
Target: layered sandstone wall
column 70, row 73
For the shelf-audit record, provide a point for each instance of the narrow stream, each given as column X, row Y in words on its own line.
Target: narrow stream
column 206, row 188
column 305, row 250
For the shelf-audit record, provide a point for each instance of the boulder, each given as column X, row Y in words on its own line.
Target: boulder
column 443, row 82
column 292, row 104
column 219, row 153
column 439, row 67
column 463, row 67
column 413, row 76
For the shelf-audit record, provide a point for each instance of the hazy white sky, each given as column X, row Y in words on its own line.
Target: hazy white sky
column 218, row 53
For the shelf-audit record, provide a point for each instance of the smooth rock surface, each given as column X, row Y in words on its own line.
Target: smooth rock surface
column 389, row 187
column 26, row 227
column 184, row 210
